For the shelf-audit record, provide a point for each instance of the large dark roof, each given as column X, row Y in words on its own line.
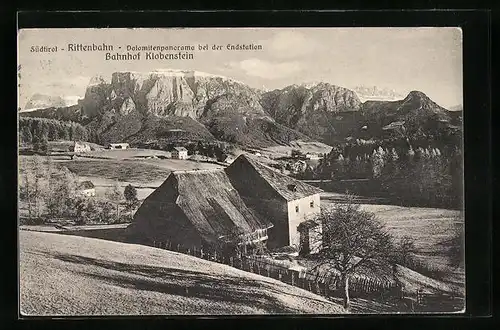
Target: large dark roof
column 287, row 187
column 212, row 205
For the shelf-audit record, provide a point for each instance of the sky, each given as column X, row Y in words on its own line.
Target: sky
column 403, row 59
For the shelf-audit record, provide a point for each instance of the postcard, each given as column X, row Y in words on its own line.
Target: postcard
column 240, row 171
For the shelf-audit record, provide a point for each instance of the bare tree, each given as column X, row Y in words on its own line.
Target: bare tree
column 352, row 241
column 33, row 187
column 62, row 187
column 403, row 250
column 114, row 195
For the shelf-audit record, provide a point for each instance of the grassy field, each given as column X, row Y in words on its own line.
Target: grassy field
column 121, row 166
column 303, row 146
column 120, row 170
column 127, row 153
column 69, row 275
column 430, row 228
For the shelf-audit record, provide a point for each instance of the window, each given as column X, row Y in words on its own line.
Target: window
column 311, row 203
column 297, row 209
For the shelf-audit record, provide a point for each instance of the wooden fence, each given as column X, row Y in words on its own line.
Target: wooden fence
column 325, row 284
column 437, row 302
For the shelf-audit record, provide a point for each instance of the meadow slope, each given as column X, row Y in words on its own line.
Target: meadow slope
column 69, row 275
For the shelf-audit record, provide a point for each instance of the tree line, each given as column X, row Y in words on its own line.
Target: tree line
column 50, row 192
column 34, row 130
column 425, row 176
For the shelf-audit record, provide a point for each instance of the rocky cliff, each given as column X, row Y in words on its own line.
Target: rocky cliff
column 172, row 104
column 166, row 93
column 310, row 108
column 168, row 104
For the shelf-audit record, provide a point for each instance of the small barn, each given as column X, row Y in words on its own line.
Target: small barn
column 197, row 209
column 180, row 153
column 117, row 146
column 86, row 188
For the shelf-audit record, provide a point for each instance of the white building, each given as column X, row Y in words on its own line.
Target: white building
column 313, row 156
column 228, row 159
column 180, row 153
column 81, row 147
column 118, row 146
column 86, row 188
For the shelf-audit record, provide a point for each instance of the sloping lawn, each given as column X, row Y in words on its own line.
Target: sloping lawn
column 70, row 275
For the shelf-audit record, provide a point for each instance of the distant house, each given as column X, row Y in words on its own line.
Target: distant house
column 86, row 188
column 80, row 147
column 228, row 159
column 180, row 153
column 117, row 146
column 298, row 166
column 312, row 156
column 247, row 202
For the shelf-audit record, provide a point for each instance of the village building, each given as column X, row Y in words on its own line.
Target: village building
column 86, row 188
column 246, row 202
column 80, row 147
column 179, row 153
column 312, row 156
column 197, row 209
column 117, row 146
column 228, row 159
column 256, row 153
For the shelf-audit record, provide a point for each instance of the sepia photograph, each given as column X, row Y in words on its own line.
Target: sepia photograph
column 240, row 171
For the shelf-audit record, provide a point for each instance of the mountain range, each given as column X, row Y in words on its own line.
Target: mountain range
column 42, row 101
column 375, row 93
column 172, row 105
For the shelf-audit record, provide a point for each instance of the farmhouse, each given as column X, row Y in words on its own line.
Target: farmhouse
column 86, row 188
column 285, row 201
column 117, row 146
column 197, row 209
column 179, row 153
column 247, row 202
column 298, row 166
column 80, row 147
